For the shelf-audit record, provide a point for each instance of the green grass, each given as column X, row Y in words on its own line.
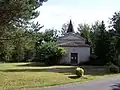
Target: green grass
column 19, row 76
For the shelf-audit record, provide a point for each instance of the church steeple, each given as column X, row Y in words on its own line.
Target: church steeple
column 70, row 27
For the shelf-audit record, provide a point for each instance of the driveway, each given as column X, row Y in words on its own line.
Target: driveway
column 111, row 83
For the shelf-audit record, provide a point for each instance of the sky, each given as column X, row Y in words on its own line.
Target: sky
column 54, row 13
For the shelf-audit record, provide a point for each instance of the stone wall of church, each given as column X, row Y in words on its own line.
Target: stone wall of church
column 83, row 54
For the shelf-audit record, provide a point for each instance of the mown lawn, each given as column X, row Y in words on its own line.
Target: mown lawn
column 19, row 76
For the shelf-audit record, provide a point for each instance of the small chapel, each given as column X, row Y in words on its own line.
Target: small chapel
column 76, row 48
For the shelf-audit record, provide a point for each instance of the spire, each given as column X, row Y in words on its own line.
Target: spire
column 70, row 27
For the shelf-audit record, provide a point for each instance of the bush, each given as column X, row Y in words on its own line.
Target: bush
column 50, row 53
column 79, row 72
column 113, row 68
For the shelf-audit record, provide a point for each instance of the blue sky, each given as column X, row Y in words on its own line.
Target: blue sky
column 54, row 13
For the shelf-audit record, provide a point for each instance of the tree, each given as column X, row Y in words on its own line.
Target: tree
column 64, row 28
column 15, row 15
column 115, row 25
column 101, row 43
column 50, row 53
column 18, row 12
column 37, row 36
column 115, row 22
column 50, row 35
column 84, row 31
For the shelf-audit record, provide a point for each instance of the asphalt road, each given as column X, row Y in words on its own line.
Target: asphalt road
column 112, row 83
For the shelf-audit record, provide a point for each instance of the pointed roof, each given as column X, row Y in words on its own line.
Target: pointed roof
column 70, row 27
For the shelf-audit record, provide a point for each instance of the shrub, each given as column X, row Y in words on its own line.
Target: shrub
column 79, row 72
column 50, row 53
column 113, row 68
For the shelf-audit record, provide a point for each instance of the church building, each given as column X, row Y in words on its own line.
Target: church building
column 76, row 48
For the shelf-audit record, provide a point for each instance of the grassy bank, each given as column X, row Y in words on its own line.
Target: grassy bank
column 18, row 76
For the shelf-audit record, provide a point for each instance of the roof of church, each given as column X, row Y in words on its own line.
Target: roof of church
column 72, row 34
column 70, row 27
column 73, row 44
column 71, row 39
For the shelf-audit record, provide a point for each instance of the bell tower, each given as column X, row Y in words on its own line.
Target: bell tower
column 70, row 28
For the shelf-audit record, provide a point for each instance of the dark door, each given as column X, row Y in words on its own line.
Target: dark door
column 74, row 58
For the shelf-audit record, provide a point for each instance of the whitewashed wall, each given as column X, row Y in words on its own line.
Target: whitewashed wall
column 83, row 54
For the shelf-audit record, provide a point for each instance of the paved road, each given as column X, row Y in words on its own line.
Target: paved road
column 104, row 84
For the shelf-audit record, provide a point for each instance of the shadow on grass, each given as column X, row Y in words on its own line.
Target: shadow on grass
column 116, row 86
column 33, row 64
column 57, row 70
column 89, row 70
column 73, row 77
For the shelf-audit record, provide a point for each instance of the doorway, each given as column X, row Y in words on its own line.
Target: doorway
column 74, row 58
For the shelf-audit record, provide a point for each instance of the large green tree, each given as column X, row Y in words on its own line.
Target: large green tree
column 15, row 16
column 115, row 26
column 101, row 42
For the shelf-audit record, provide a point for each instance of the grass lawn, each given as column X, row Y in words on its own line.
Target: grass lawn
column 19, row 76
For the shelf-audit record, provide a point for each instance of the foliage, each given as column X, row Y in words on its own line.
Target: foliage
column 115, row 25
column 18, row 49
column 26, row 46
column 50, row 53
column 79, row 72
column 18, row 12
column 64, row 28
column 50, row 35
column 115, row 22
column 101, row 43
column 113, row 68
column 20, row 40
column 16, row 43
column 84, row 31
